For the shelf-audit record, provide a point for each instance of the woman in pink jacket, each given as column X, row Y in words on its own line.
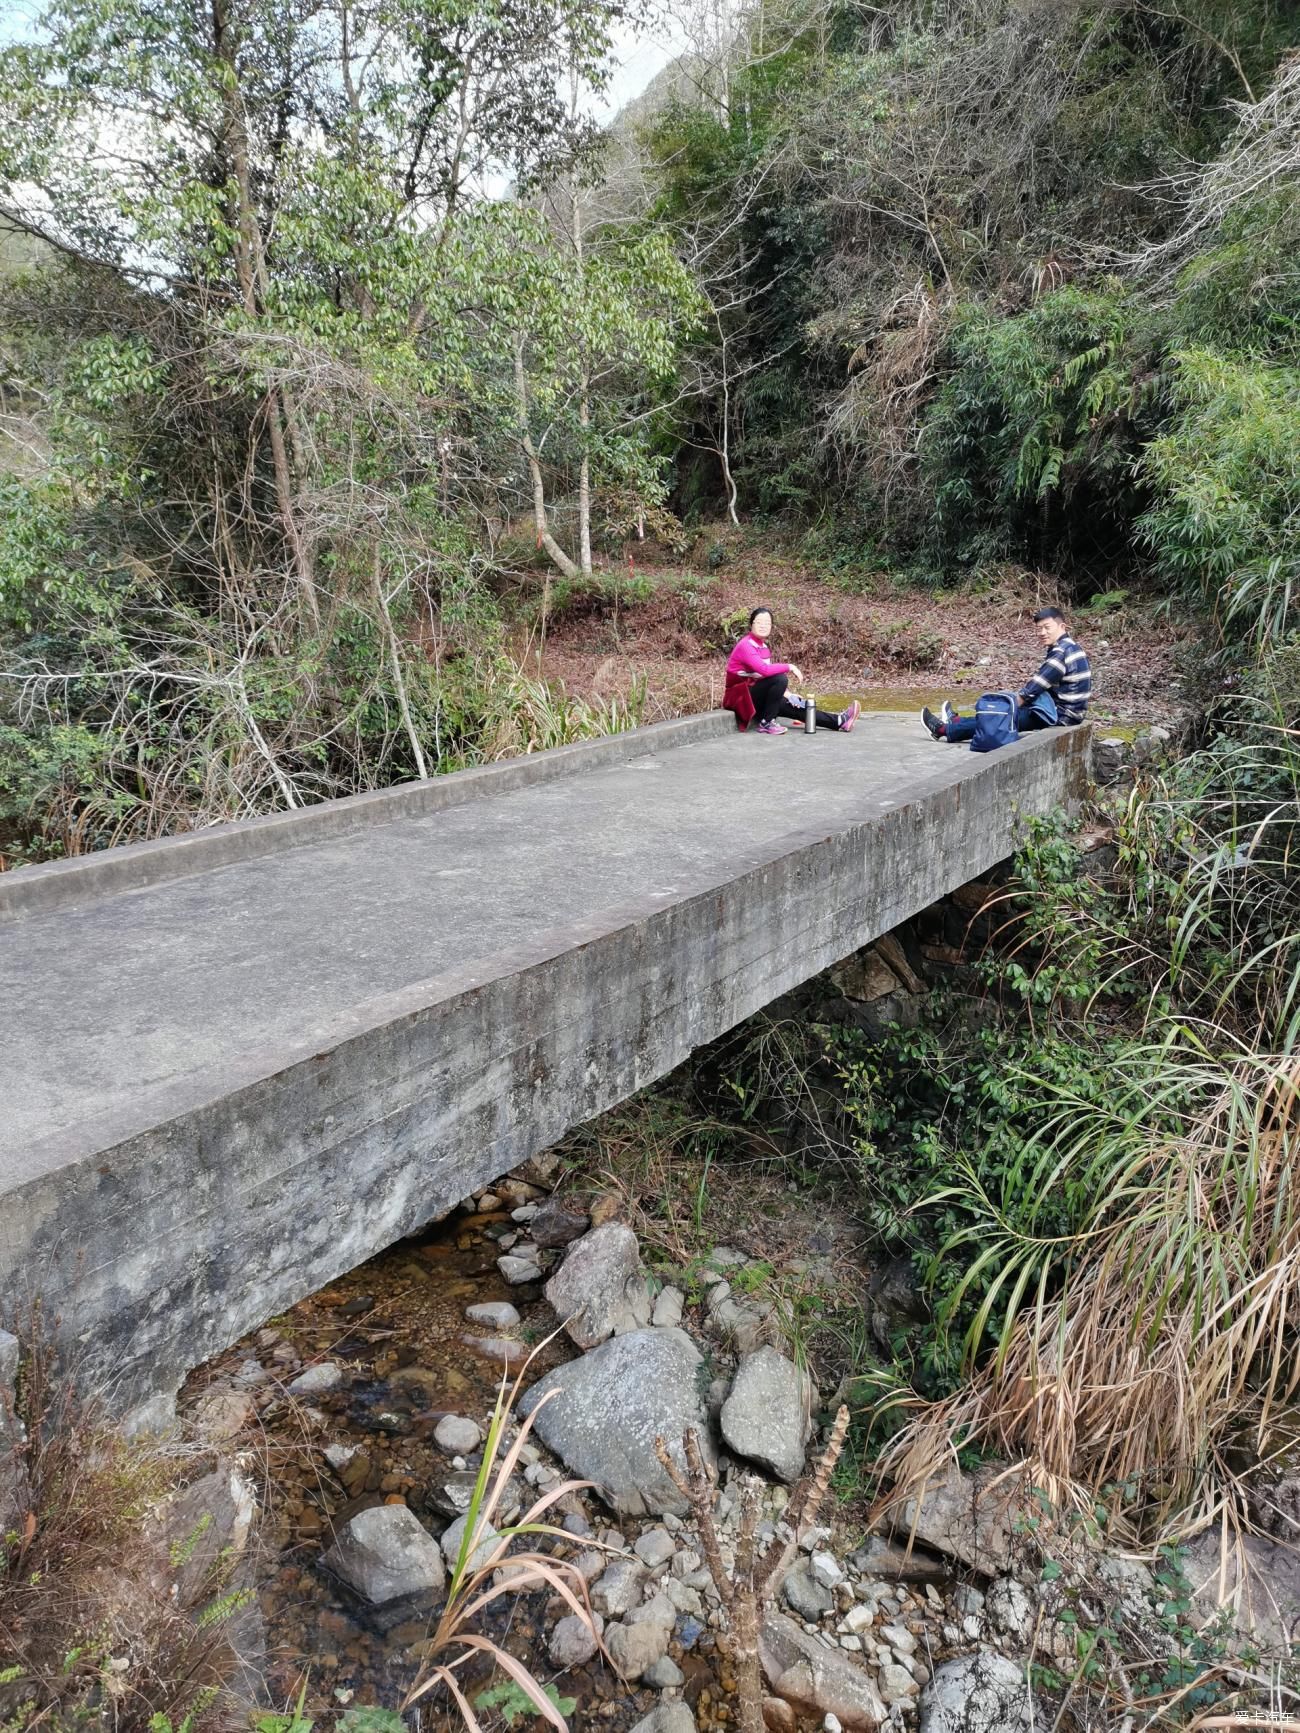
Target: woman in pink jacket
column 757, row 686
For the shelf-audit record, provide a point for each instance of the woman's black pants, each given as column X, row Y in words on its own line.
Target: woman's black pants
column 771, row 701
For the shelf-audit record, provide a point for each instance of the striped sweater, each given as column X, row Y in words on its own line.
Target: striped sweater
column 1066, row 674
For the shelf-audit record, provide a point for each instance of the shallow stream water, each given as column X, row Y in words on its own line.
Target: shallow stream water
column 396, row 1326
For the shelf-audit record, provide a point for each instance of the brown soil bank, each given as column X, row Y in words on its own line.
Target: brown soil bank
column 665, row 628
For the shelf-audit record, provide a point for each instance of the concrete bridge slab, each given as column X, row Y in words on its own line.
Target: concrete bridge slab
column 236, row 1064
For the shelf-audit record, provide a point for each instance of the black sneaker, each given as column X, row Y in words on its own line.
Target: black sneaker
column 946, row 713
column 932, row 722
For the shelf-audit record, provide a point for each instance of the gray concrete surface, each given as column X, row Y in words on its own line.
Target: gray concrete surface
column 224, row 1088
column 62, row 884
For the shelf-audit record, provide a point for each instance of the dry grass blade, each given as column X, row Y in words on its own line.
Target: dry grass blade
column 1170, row 1318
column 473, row 1590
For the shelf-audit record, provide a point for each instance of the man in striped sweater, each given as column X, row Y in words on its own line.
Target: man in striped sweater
column 1065, row 678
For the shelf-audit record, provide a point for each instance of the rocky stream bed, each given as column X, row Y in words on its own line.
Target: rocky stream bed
column 362, row 1415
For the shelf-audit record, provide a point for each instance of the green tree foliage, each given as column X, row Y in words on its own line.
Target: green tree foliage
column 970, row 241
column 277, row 405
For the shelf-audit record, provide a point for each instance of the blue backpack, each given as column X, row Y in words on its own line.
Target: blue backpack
column 995, row 721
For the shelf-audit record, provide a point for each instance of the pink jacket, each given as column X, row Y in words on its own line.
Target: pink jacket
column 752, row 656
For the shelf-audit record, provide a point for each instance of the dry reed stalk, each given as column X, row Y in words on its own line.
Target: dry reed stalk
column 1178, row 1316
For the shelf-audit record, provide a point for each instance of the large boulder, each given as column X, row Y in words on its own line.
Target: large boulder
column 971, row 1517
column 815, row 1680
column 1256, row 1580
column 385, row 1555
column 600, row 1289
column 767, row 1416
column 613, row 1404
column 980, row 1693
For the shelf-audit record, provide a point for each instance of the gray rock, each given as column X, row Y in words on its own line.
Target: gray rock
column 517, row 1271
column 573, row 1642
column 667, row 1718
column 659, row 1611
column 618, row 1589
column 1011, row 1608
column 668, row 1308
column 316, row 1380
column 634, row 1648
column 451, row 1543
column 805, row 1596
column 451, row 1495
column 502, row 1350
column 1131, row 1583
column 877, row 1557
column 655, row 1547
column 817, row 1680
column 727, row 1257
column 199, row 1525
column 968, row 1516
column 614, row 1403
column 766, row 1416
column 495, row 1314
column 220, row 1414
column 1257, row 1580
column 1110, row 754
column 13, row 1434
column 385, row 1555
column 600, row 1289
column 825, row 1568
column 456, row 1436
column 979, row 1693
column 896, row 1684
column 339, row 1455
column 684, row 1597
column 663, row 1675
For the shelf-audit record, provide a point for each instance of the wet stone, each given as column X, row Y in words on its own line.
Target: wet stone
column 316, row 1380
column 555, row 1224
column 663, row 1675
column 495, row 1314
column 451, row 1543
column 384, row 1555
column 456, row 1435
column 573, row 1642
column 516, row 1271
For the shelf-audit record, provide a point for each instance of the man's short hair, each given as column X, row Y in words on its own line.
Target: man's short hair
column 1049, row 614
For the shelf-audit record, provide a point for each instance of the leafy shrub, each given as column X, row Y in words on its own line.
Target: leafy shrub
column 1029, row 445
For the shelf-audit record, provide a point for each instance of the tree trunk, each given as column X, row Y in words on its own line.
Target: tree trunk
column 250, row 267
column 544, row 537
column 395, row 663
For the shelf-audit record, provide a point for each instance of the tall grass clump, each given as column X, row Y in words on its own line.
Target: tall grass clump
column 1123, row 1290
column 110, row 1617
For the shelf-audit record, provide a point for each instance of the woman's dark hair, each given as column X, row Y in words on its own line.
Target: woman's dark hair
column 756, row 613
